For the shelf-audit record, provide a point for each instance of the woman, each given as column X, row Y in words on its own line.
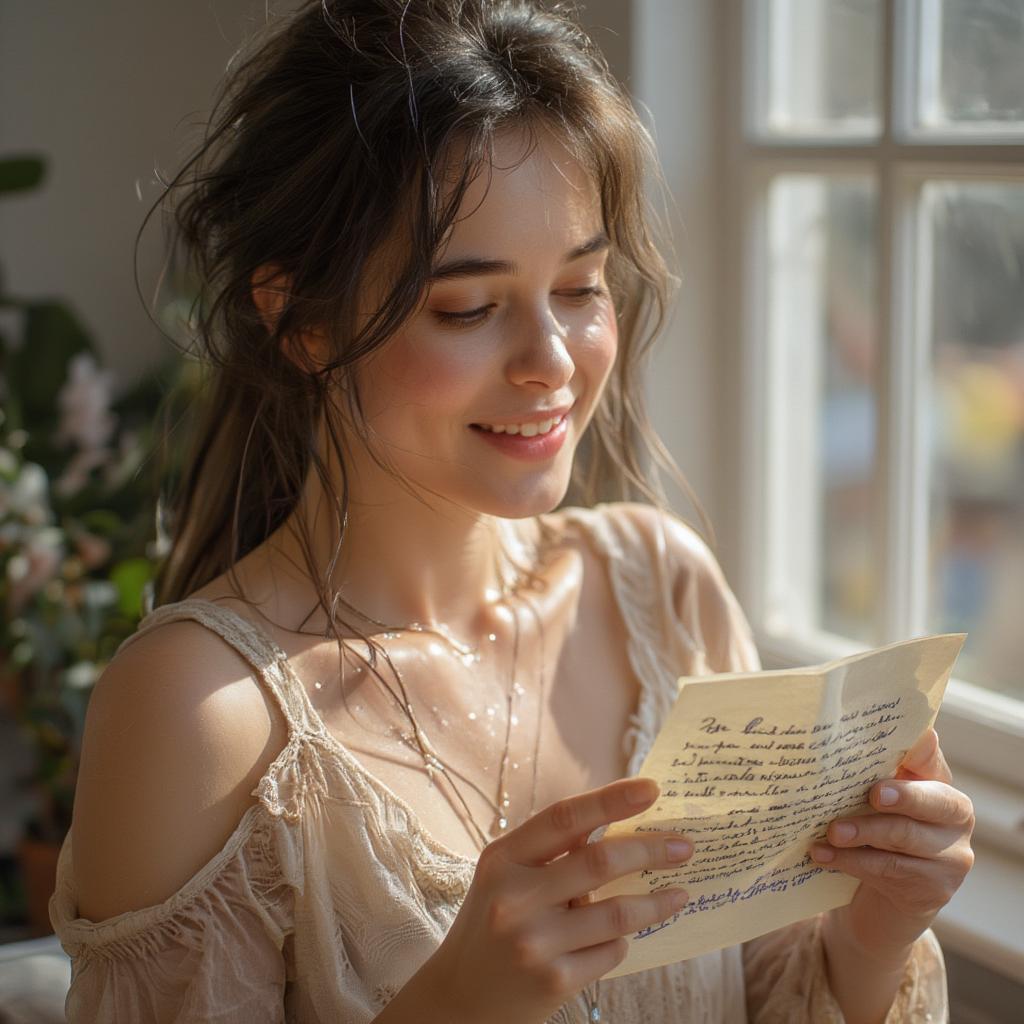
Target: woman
column 428, row 280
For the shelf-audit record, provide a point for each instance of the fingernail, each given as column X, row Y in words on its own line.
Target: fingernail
column 844, row 831
column 679, row 898
column 677, row 849
column 642, row 793
column 887, row 796
column 823, row 853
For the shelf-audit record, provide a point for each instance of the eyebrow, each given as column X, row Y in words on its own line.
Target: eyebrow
column 472, row 266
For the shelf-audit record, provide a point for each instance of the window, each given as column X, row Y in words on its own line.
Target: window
column 872, row 188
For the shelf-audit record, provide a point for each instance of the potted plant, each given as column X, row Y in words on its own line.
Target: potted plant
column 78, row 542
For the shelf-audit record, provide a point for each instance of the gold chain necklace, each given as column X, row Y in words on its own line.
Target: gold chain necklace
column 433, row 762
column 431, row 759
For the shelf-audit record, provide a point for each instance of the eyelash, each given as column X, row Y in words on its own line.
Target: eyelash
column 473, row 317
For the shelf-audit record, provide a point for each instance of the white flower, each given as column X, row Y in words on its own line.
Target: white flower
column 81, row 675
column 84, row 402
column 36, row 565
column 76, row 473
column 100, row 593
column 27, row 496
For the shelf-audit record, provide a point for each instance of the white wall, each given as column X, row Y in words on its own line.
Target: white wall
column 106, row 90
column 673, row 81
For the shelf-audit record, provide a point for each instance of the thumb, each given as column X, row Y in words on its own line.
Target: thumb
column 924, row 760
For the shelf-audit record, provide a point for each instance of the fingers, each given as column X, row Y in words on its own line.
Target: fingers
column 895, row 833
column 596, row 864
column 925, row 800
column 558, row 827
column 618, row 916
column 915, row 884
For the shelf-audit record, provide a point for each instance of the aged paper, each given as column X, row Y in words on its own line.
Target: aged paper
column 753, row 766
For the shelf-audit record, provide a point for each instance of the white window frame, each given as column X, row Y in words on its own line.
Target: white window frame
column 982, row 732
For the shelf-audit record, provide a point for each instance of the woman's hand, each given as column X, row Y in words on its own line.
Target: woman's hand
column 524, row 941
column 910, row 857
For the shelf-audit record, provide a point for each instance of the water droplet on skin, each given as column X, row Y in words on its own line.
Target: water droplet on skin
column 444, row 721
column 515, row 719
column 518, row 690
column 490, row 712
column 515, row 765
column 319, row 685
column 492, row 637
column 503, row 823
column 472, row 716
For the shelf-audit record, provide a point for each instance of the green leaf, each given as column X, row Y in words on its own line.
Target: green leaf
column 130, row 577
column 101, row 521
column 38, row 369
column 20, row 173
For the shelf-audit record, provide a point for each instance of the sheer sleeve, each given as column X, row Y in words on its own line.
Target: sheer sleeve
column 211, row 952
column 787, row 980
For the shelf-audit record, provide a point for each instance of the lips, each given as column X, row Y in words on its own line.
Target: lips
column 527, row 424
column 537, row 447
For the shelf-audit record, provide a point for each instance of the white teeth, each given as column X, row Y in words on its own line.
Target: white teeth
column 525, row 429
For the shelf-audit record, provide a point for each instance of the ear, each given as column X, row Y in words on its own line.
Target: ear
column 271, row 287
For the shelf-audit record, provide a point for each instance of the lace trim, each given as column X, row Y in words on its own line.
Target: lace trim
column 298, row 771
column 262, row 855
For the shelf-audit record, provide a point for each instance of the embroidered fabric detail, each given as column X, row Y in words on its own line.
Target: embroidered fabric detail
column 330, row 894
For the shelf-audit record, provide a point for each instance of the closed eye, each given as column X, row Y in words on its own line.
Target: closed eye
column 473, row 317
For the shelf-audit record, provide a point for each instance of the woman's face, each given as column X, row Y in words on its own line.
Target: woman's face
column 525, row 339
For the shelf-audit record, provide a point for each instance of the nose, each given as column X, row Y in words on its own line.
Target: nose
column 542, row 355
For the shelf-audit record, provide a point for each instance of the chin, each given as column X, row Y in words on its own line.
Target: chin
column 524, row 502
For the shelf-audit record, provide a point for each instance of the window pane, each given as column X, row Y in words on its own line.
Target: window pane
column 822, row 340
column 971, row 64
column 823, row 63
column 977, row 489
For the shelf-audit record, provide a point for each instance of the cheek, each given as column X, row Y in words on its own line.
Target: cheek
column 418, row 376
column 601, row 344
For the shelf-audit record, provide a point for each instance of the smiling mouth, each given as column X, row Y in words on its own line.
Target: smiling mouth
column 523, row 429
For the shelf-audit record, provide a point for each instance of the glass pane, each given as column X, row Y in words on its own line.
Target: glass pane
column 977, row 490
column 823, row 64
column 972, row 64
column 822, row 321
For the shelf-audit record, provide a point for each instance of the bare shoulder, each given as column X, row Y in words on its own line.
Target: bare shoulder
column 177, row 735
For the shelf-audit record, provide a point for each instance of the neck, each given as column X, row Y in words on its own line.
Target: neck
column 402, row 560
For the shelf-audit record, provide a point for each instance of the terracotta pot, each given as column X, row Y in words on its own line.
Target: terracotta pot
column 10, row 692
column 38, row 862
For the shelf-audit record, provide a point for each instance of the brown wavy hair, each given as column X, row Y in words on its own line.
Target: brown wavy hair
column 333, row 133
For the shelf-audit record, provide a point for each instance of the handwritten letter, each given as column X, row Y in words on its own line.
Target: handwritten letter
column 753, row 766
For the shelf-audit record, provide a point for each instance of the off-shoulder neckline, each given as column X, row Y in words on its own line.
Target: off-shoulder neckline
column 318, row 729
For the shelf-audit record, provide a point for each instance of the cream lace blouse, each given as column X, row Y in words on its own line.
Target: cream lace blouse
column 329, row 894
